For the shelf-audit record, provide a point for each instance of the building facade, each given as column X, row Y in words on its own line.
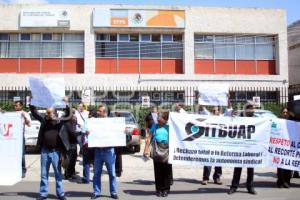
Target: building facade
column 294, row 53
column 143, row 46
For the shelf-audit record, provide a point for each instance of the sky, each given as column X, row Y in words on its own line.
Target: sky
column 291, row 6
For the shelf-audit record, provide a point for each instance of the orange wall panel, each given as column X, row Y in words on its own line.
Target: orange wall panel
column 74, row 65
column 9, row 65
column 30, row 65
column 128, row 66
column 245, row 67
column 52, row 65
column 266, row 67
column 225, row 67
column 106, row 65
column 204, row 66
column 172, row 66
column 150, row 66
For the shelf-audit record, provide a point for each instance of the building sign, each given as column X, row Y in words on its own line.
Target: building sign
column 139, row 18
column 44, row 18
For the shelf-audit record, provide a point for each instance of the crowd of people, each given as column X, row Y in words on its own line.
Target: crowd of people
column 59, row 138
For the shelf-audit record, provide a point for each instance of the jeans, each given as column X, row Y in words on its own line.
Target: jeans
column 50, row 157
column 107, row 156
column 86, row 165
column 206, row 173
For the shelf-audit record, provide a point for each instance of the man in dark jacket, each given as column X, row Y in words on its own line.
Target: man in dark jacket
column 51, row 144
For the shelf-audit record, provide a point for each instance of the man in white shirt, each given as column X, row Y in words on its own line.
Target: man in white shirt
column 179, row 108
column 26, row 121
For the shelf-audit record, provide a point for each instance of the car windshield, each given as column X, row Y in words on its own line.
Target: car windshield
column 129, row 119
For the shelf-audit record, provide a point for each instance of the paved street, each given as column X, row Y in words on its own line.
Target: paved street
column 137, row 182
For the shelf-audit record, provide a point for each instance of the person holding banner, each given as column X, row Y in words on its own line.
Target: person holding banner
column 162, row 170
column 26, row 122
column 249, row 112
column 284, row 175
column 104, row 155
column 51, row 143
column 207, row 169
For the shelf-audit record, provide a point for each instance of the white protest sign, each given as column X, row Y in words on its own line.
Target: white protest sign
column 213, row 94
column 256, row 101
column 11, row 143
column 86, row 96
column 218, row 141
column 106, row 132
column 146, row 101
column 48, row 92
column 285, row 144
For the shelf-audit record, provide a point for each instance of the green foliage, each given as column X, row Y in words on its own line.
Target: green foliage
column 7, row 106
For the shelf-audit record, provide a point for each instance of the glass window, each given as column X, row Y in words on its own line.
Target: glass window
column 3, row 49
column 113, row 37
column 172, row 50
column 73, row 50
column 73, row 37
column 102, row 37
column 128, row 49
column 134, row 37
column 4, row 36
column 47, row 36
column 204, row 38
column 150, row 50
column 245, row 46
column 167, row 38
column 123, row 37
column 25, row 36
column 146, row 38
column 204, row 50
column 29, row 50
column 51, row 49
column 265, row 48
column 106, row 49
column 57, row 37
column 177, row 38
column 224, row 47
column 155, row 38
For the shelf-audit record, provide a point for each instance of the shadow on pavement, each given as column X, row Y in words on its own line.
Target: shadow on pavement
column 25, row 194
column 140, row 182
column 187, row 180
column 266, row 174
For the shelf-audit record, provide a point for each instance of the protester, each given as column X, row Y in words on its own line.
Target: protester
column 203, row 110
column 179, row 108
column 207, row 169
column 26, row 122
column 284, row 175
column 162, row 171
column 81, row 116
column 87, row 153
column 52, row 145
column 104, row 155
column 71, row 154
column 249, row 112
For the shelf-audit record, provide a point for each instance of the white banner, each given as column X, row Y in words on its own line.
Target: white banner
column 213, row 95
column 45, row 18
column 106, row 132
column 218, row 141
column 285, row 144
column 47, row 92
column 11, row 141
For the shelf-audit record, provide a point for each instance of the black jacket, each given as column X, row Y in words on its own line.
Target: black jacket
column 63, row 143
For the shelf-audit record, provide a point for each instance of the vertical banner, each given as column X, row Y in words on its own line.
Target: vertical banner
column 284, row 147
column 218, row 141
column 11, row 143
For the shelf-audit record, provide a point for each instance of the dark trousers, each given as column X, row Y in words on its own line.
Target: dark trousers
column 72, row 157
column 23, row 158
column 118, row 165
column 283, row 176
column 87, row 159
column 162, row 175
column 237, row 176
column 207, row 170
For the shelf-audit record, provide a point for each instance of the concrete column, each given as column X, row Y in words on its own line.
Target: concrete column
column 188, row 46
column 89, row 52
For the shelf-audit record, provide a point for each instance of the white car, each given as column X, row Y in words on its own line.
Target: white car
column 132, row 130
column 32, row 131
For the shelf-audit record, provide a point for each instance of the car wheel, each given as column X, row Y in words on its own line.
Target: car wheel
column 137, row 148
